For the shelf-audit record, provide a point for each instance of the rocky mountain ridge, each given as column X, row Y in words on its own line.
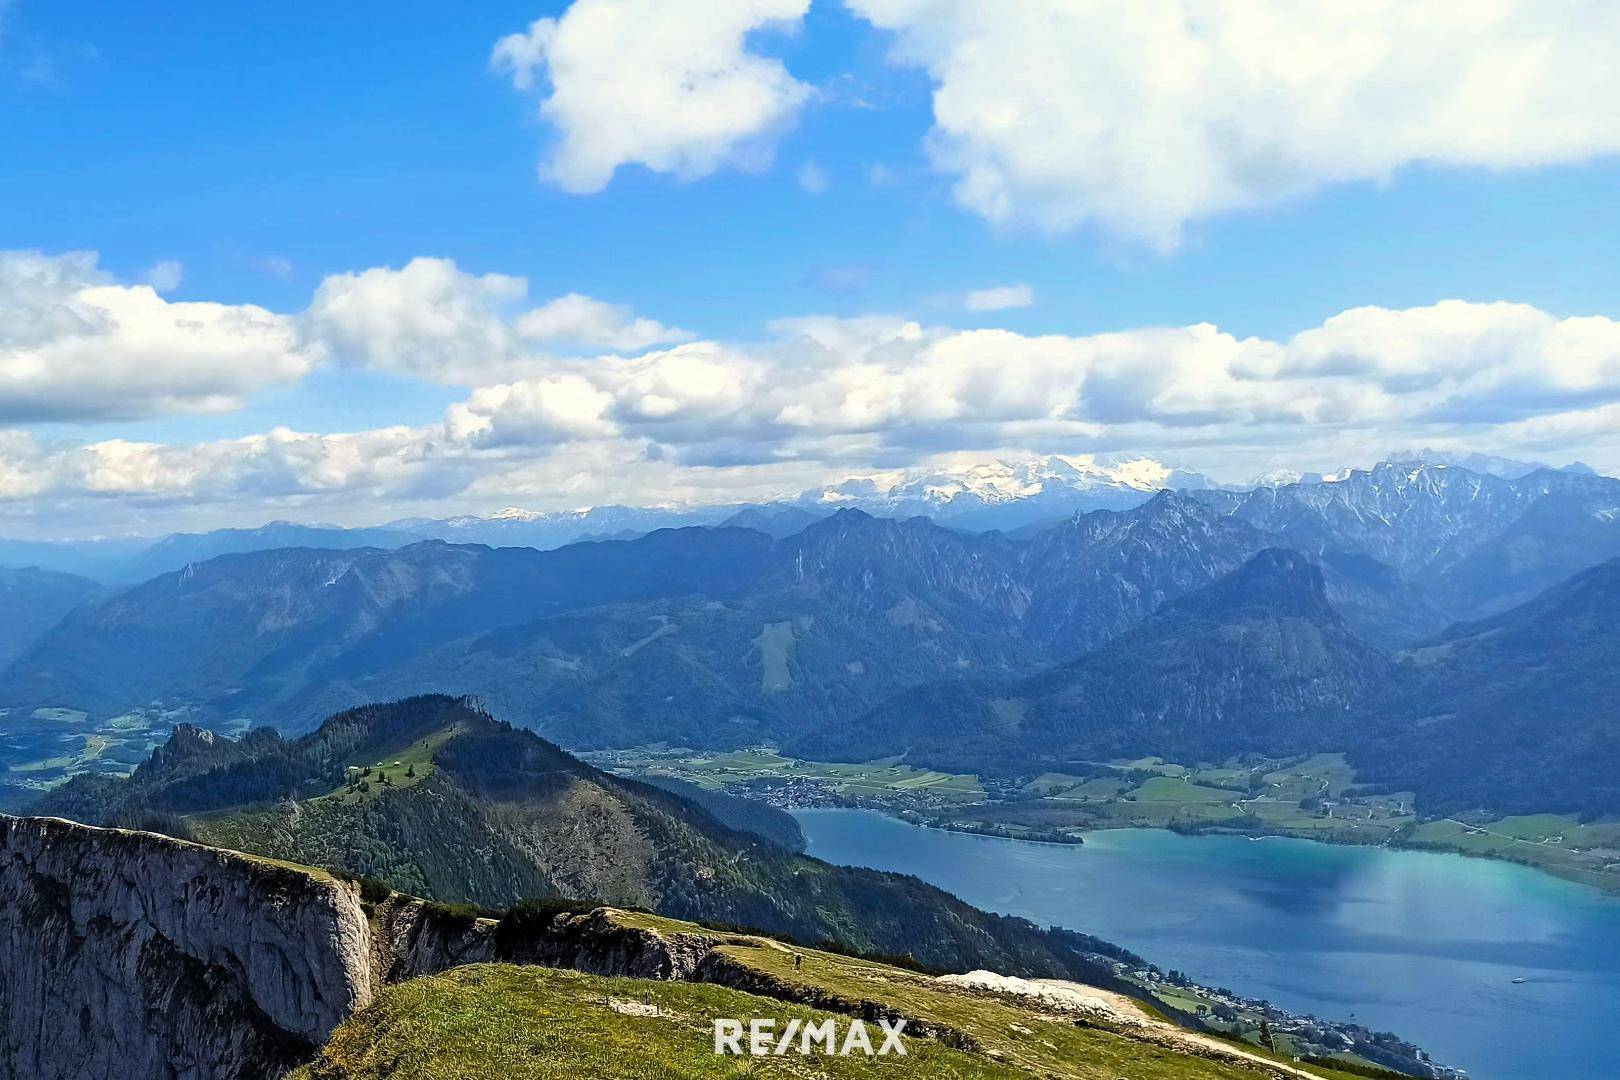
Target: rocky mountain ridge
column 437, row 798
column 711, row 633
column 1011, row 494
column 127, row 953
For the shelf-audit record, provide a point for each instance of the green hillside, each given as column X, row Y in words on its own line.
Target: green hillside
column 437, row 798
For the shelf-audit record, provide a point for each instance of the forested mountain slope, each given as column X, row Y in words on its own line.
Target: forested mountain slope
column 440, row 800
column 726, row 636
column 1258, row 661
column 1519, row 713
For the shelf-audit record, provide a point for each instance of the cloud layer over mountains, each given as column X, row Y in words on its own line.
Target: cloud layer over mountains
column 577, row 400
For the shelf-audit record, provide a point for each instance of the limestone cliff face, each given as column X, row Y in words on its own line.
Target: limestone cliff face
column 134, row 955
column 409, row 939
column 131, row 955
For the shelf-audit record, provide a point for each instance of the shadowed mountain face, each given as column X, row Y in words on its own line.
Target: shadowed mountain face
column 1513, row 714
column 277, row 630
column 439, row 799
column 1558, row 535
column 1105, row 572
column 1258, row 661
column 1517, row 712
column 32, row 601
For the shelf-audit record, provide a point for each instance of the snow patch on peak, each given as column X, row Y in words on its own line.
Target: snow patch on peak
column 1144, row 473
column 951, row 478
column 1277, row 478
column 515, row 513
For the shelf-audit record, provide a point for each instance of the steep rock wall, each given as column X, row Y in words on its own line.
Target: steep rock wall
column 132, row 955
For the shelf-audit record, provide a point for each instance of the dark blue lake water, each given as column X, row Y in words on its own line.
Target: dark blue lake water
column 1422, row 944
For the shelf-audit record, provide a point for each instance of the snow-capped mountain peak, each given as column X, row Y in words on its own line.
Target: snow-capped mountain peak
column 1275, row 478
column 1005, row 492
column 516, row 513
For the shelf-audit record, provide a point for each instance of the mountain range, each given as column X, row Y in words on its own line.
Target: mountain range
column 801, row 630
column 1003, row 494
column 1452, row 632
column 1516, row 712
column 1513, row 714
column 1016, row 495
column 713, row 635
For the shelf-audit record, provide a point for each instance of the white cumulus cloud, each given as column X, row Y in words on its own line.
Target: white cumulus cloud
column 75, row 344
column 1140, row 116
column 432, row 320
column 595, row 324
column 889, row 386
column 672, row 85
column 428, row 319
column 814, row 399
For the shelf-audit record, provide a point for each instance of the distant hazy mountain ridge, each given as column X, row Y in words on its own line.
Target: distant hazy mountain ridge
column 1014, row 494
column 787, row 625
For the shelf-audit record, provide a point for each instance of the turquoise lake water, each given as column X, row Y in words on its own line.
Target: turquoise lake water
column 1426, row 945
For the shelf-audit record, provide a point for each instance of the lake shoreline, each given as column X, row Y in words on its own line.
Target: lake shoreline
column 1312, row 797
column 1388, row 937
column 1607, row 884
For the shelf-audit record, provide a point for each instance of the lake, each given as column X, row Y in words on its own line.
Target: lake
column 1422, row 944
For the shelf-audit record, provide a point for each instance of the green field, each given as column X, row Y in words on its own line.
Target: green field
column 545, row 1024
column 1312, row 797
column 1588, row 853
column 64, row 716
column 53, row 745
column 400, row 766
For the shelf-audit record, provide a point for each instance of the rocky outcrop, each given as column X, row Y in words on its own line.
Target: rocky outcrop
column 599, row 943
column 412, row 937
column 133, row 955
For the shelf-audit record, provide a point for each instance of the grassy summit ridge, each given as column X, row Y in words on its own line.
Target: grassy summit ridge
column 538, row 1022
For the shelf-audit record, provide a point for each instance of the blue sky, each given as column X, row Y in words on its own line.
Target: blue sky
column 264, row 150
